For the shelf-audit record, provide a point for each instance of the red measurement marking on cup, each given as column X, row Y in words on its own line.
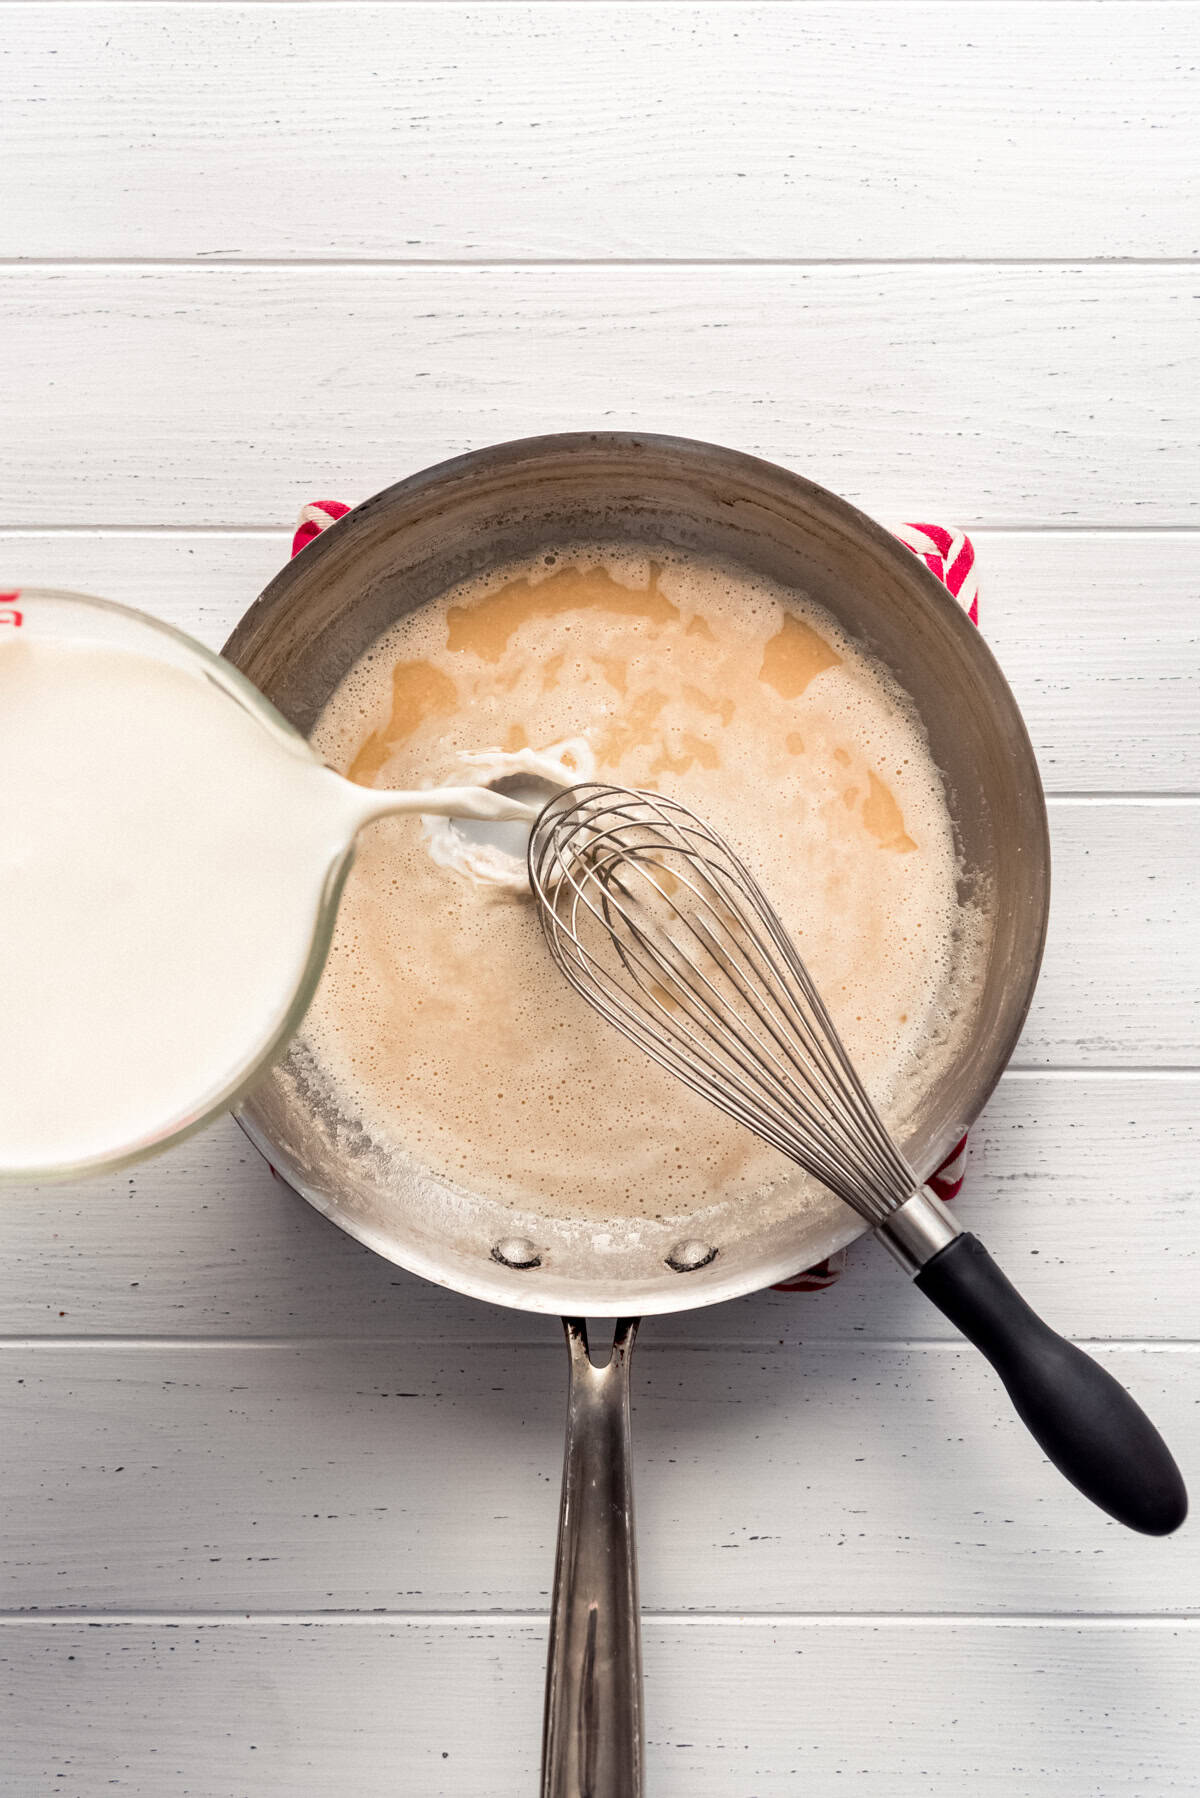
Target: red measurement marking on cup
column 10, row 614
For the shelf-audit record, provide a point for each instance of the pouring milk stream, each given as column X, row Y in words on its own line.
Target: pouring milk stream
column 171, row 855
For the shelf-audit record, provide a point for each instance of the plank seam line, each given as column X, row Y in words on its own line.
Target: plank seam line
column 1146, row 1070
column 231, row 258
column 1072, row 1620
column 1166, row 1073
column 552, row 1343
column 1121, row 796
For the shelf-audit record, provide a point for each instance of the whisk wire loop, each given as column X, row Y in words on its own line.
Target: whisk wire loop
column 657, row 922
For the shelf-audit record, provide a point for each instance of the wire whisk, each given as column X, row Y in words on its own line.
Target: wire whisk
column 663, row 929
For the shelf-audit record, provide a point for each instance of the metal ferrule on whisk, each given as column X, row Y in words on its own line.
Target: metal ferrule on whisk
column 918, row 1230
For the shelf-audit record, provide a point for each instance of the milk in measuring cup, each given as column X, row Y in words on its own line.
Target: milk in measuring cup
column 163, row 861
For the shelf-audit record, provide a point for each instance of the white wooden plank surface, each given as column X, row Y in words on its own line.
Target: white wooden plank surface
column 816, row 131
column 1084, row 1188
column 352, row 1476
column 986, row 395
column 818, row 1459
column 736, row 1709
column 1100, row 639
column 1120, row 983
column 1098, row 632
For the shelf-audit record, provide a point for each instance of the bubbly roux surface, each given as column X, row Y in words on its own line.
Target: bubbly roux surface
column 443, row 1026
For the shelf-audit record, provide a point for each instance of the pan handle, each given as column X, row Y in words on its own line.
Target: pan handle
column 593, row 1737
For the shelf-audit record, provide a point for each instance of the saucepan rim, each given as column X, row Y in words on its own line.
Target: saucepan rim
column 752, row 475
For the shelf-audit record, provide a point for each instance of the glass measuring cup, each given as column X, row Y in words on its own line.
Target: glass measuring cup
column 134, row 1007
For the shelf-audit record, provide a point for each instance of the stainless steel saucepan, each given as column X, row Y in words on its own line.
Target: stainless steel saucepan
column 514, row 502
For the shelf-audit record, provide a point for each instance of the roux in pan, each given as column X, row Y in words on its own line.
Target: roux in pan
column 441, row 1022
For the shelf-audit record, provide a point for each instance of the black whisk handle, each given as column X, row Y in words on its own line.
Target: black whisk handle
column 1083, row 1419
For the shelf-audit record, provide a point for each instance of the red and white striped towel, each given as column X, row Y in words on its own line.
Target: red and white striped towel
column 951, row 556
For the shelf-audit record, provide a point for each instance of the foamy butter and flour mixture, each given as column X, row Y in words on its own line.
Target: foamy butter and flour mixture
column 441, row 1024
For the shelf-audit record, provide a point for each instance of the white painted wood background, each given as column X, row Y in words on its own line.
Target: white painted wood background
column 277, row 1518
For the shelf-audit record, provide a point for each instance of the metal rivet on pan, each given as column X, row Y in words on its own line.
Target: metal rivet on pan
column 516, row 1251
column 686, row 1257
